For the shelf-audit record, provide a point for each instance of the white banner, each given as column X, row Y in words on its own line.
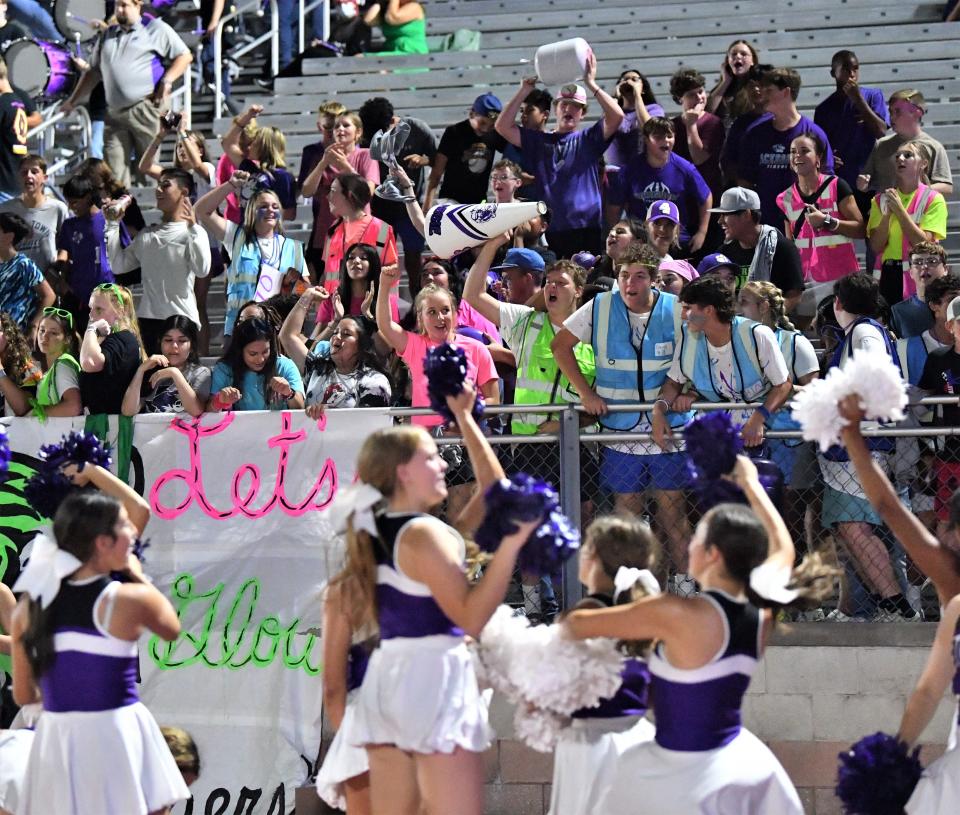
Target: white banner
column 240, row 543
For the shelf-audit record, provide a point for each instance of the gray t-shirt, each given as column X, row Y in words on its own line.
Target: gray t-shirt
column 880, row 164
column 45, row 221
column 132, row 62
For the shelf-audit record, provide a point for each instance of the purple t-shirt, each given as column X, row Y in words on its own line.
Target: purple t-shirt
column 850, row 138
column 638, row 185
column 566, row 167
column 765, row 162
column 82, row 238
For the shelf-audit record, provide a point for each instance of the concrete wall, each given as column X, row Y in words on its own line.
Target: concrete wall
column 819, row 688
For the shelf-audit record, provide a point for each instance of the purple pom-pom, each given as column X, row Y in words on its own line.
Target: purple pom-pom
column 139, row 547
column 524, row 498
column 713, row 442
column 76, row 448
column 46, row 489
column 877, row 776
column 446, row 370
column 4, row 450
column 48, row 486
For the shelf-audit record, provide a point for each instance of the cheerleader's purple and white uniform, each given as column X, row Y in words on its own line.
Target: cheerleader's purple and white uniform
column 938, row 792
column 344, row 760
column 420, row 692
column 587, row 746
column 702, row 760
column 15, row 746
column 96, row 748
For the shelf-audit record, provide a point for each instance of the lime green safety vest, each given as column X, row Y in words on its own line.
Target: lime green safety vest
column 47, row 395
column 539, row 379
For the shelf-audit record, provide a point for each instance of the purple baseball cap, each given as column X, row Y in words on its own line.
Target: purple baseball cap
column 659, row 210
column 716, row 261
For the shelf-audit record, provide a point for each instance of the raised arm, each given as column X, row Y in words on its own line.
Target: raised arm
column 231, row 139
column 935, row 561
column 137, row 508
column 475, row 287
column 395, row 336
column 506, row 124
column 206, row 208
column 933, row 682
column 612, row 113
column 780, row 548
column 414, row 210
column 147, row 165
column 486, row 466
column 291, row 332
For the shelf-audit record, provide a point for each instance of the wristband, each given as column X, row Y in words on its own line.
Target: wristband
column 763, row 411
column 663, row 402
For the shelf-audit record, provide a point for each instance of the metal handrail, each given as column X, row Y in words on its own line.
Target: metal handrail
column 45, row 132
column 273, row 34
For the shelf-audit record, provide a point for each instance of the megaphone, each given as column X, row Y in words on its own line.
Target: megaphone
column 452, row 228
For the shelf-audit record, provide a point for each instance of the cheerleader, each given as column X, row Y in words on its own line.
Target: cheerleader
column 702, row 759
column 419, row 712
column 938, row 792
column 615, row 559
column 75, row 631
column 343, row 781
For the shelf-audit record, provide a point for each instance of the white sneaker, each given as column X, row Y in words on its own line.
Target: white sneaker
column 837, row 616
column 884, row 616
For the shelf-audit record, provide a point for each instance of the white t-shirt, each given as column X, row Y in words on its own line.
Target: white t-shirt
column 171, row 255
column 45, row 222
column 804, row 358
column 867, row 337
column 580, row 324
column 725, row 377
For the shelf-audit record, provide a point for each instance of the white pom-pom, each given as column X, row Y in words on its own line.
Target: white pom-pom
column 870, row 375
column 816, row 409
column 538, row 729
column 878, row 383
column 537, row 666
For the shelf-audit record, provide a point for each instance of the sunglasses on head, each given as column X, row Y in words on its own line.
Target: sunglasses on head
column 115, row 289
column 53, row 311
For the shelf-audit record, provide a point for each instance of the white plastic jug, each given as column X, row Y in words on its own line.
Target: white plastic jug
column 562, row 62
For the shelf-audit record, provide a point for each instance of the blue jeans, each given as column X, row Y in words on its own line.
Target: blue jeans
column 287, row 11
column 35, row 18
column 206, row 61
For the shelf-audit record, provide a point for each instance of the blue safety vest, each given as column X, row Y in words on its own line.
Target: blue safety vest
column 624, row 374
column 750, row 383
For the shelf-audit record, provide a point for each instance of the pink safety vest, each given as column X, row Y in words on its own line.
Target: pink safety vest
column 376, row 233
column 917, row 208
column 825, row 255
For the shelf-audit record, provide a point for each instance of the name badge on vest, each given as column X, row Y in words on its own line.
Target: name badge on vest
column 269, row 283
column 663, row 349
column 753, row 390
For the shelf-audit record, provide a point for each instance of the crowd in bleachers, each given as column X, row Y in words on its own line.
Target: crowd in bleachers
column 680, row 258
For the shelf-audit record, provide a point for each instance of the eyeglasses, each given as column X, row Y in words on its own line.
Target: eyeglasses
column 52, row 311
column 504, row 178
column 925, row 261
column 114, row 289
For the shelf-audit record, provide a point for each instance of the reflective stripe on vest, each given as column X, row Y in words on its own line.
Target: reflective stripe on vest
column 913, row 354
column 695, row 363
column 625, row 375
column 824, row 255
column 539, row 378
column 782, row 419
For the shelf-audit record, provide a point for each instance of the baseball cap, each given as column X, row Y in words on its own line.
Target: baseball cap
column 681, row 268
column 659, row 210
column 488, row 105
column 716, row 261
column 953, row 309
column 585, row 260
column 571, row 93
column 911, row 95
column 525, row 259
column 737, row 199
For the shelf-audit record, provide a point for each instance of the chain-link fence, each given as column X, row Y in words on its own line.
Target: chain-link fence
column 819, row 496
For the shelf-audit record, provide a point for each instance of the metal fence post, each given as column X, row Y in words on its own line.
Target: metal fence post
column 570, row 496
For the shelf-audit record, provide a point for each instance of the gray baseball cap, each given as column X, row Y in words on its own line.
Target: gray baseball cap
column 953, row 309
column 737, row 199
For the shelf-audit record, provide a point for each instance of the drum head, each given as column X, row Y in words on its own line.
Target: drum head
column 73, row 17
column 27, row 66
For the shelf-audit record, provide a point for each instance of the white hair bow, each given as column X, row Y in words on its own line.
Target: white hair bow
column 357, row 501
column 627, row 577
column 770, row 582
column 45, row 570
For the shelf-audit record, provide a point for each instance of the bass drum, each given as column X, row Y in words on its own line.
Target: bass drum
column 40, row 68
column 73, row 17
